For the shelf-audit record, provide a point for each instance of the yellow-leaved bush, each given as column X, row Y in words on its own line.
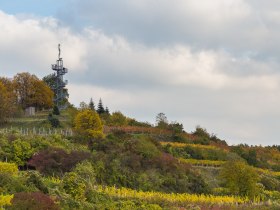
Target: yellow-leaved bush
column 9, row 168
column 5, row 200
column 88, row 124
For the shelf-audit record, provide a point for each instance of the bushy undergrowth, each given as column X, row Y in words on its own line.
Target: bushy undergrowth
column 139, row 163
column 59, row 173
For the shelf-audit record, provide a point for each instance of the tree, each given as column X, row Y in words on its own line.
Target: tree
column 239, row 178
column 55, row 123
column 88, row 124
column 100, row 107
column 83, row 105
column 107, row 110
column 252, row 157
column 50, row 80
column 43, row 95
column 32, row 91
column 118, row 119
column 8, row 83
column 56, row 110
column 7, row 103
column 161, row 121
column 176, row 127
column 91, row 105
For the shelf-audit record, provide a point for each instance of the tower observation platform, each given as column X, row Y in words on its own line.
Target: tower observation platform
column 60, row 84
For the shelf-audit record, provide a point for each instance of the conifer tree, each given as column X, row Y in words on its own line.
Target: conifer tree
column 91, row 105
column 56, row 110
column 100, row 107
column 107, row 110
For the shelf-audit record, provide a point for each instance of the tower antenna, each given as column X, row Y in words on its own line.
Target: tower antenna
column 59, row 51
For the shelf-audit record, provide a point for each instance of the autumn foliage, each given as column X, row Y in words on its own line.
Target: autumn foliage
column 33, row 201
column 56, row 161
column 88, row 124
column 32, row 91
column 7, row 103
column 23, row 91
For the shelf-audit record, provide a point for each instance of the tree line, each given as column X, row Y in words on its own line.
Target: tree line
column 22, row 91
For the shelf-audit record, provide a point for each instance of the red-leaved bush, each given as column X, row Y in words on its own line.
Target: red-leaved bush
column 33, row 201
column 54, row 161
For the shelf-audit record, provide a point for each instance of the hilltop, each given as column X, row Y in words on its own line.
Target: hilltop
column 132, row 165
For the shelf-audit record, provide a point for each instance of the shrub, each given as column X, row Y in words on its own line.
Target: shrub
column 36, row 180
column 11, row 184
column 54, row 161
column 118, row 119
column 5, row 200
column 21, row 151
column 9, row 168
column 55, row 123
column 85, row 170
column 74, row 186
column 32, row 201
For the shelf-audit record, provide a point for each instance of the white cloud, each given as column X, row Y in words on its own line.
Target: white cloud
column 31, row 44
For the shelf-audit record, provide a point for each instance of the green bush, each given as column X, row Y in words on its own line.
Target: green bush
column 10, row 184
column 74, row 186
column 35, row 179
column 240, row 178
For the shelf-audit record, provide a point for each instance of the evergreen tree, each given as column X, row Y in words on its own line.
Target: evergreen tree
column 56, row 110
column 107, row 110
column 91, row 105
column 100, row 107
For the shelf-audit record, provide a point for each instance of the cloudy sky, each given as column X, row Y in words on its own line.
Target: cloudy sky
column 210, row 63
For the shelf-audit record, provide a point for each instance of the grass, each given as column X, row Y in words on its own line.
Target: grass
column 40, row 120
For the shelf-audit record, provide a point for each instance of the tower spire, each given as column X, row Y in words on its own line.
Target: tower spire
column 59, row 51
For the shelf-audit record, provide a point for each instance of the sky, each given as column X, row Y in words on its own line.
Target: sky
column 214, row 64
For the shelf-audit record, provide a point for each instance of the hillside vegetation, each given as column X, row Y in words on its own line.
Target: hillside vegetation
column 111, row 161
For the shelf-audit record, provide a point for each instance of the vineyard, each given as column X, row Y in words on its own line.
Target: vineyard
column 212, row 163
column 171, row 199
column 182, row 145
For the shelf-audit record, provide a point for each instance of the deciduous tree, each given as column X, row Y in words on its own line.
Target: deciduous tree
column 88, row 124
column 161, row 120
column 7, row 104
column 118, row 119
column 32, row 91
column 239, row 178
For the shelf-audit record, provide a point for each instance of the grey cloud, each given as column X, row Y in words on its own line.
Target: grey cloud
column 237, row 26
